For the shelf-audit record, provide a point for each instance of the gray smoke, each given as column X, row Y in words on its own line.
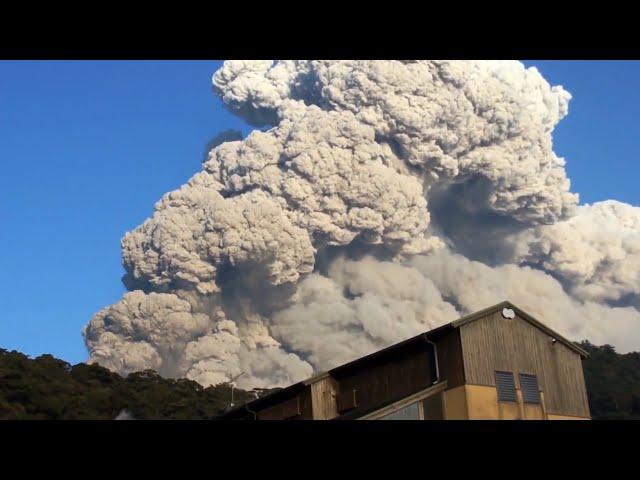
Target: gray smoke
column 383, row 199
column 124, row 415
column 229, row 135
column 596, row 254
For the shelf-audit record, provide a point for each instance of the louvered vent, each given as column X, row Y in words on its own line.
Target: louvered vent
column 530, row 390
column 506, row 387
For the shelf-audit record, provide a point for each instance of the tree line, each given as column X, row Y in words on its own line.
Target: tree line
column 613, row 382
column 48, row 388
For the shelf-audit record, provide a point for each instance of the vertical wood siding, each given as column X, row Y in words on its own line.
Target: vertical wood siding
column 495, row 343
column 286, row 408
column 450, row 359
column 323, row 398
column 390, row 378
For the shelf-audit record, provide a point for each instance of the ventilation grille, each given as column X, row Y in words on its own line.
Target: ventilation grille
column 530, row 390
column 506, row 387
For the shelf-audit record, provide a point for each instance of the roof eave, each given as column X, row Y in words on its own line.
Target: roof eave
column 521, row 313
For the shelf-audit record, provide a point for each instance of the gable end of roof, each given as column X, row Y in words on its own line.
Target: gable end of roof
column 525, row 316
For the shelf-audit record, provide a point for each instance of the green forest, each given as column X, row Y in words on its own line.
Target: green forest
column 48, row 388
column 613, row 382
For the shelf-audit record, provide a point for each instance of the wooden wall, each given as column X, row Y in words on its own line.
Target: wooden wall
column 284, row 408
column 389, row 378
column 450, row 361
column 495, row 343
column 324, row 394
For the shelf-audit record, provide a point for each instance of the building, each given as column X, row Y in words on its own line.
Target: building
column 498, row 363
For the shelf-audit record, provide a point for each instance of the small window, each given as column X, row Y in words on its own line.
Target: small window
column 530, row 389
column 411, row 412
column 506, row 387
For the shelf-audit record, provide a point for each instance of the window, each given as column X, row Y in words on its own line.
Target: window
column 410, row 412
column 506, row 387
column 530, row 390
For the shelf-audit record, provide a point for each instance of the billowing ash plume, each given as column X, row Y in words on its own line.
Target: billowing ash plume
column 596, row 254
column 384, row 199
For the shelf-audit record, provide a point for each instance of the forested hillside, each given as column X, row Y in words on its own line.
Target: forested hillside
column 613, row 382
column 48, row 388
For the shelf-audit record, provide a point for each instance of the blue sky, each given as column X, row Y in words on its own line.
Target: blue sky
column 87, row 148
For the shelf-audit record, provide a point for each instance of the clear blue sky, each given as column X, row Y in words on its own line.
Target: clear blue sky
column 87, row 148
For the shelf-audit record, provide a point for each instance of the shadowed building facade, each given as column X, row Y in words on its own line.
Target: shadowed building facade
column 496, row 364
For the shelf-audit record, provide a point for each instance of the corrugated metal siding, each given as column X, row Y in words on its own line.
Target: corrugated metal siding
column 497, row 344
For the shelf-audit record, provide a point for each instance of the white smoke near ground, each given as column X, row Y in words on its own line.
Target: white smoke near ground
column 124, row 415
column 384, row 199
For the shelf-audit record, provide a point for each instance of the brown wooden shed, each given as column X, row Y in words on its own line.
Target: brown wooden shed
column 498, row 363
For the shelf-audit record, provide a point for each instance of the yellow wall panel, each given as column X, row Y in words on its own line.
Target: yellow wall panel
column 533, row 412
column 482, row 402
column 455, row 403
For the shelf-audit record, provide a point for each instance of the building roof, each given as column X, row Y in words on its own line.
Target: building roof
column 525, row 316
column 284, row 393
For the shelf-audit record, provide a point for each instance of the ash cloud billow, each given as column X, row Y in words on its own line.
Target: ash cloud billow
column 379, row 199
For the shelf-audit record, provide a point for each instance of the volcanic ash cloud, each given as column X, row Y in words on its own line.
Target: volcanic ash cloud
column 384, row 199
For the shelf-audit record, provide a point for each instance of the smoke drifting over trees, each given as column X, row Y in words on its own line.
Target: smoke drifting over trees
column 384, row 199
